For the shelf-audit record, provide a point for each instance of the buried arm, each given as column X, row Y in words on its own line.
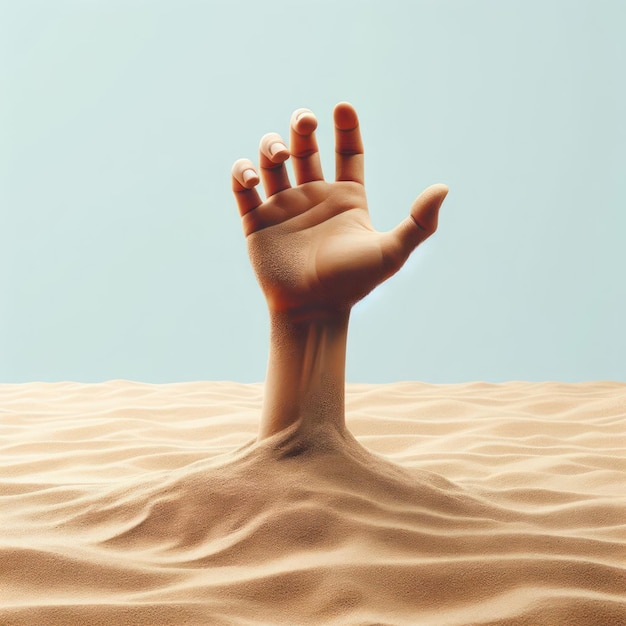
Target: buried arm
column 315, row 254
column 306, row 373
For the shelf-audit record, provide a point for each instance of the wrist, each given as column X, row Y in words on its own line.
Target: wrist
column 317, row 325
column 309, row 314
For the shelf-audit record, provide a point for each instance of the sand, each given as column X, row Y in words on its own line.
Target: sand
column 131, row 503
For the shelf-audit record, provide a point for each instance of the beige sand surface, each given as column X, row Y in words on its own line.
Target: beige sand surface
column 130, row 503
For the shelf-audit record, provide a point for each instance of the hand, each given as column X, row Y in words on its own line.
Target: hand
column 313, row 247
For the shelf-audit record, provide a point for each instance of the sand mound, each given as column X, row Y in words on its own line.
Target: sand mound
column 129, row 503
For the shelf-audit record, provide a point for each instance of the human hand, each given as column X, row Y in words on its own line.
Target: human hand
column 313, row 247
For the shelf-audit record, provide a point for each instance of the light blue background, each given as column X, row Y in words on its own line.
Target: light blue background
column 120, row 245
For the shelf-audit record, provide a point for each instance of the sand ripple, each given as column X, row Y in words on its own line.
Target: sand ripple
column 129, row 503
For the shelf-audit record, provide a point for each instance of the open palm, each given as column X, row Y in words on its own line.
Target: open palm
column 313, row 247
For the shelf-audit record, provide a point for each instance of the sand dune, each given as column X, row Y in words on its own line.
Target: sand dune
column 130, row 503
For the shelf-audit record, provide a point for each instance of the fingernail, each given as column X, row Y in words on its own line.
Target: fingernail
column 277, row 147
column 249, row 175
column 307, row 122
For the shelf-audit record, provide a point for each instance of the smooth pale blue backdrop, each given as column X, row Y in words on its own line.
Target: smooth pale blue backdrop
column 121, row 254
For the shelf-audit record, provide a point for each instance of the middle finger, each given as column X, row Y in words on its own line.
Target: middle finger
column 304, row 150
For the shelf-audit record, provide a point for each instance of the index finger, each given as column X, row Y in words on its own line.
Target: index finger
column 349, row 162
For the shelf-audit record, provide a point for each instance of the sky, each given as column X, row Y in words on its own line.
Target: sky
column 121, row 251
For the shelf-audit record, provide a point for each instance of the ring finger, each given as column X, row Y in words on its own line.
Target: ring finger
column 272, row 156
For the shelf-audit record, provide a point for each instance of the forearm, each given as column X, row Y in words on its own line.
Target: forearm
column 306, row 373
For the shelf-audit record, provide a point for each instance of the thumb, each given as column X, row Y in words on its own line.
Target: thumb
column 420, row 225
column 425, row 210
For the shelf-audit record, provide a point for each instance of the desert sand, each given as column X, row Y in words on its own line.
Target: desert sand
column 133, row 503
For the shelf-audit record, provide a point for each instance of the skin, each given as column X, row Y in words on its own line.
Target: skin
column 315, row 254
